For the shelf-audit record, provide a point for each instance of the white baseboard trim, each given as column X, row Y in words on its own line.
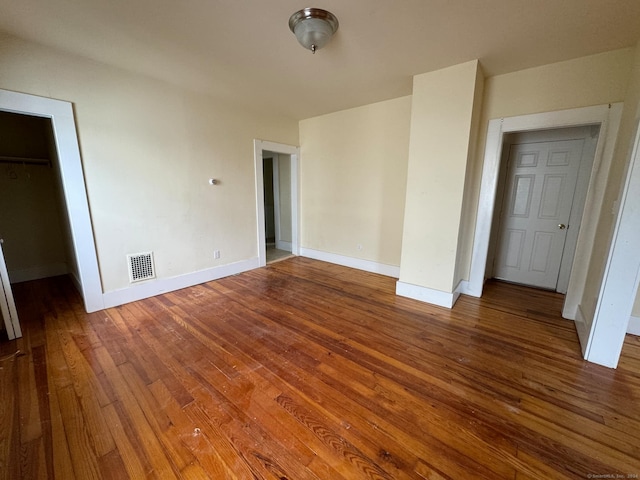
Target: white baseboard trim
column 76, row 281
column 152, row 288
column 281, row 245
column 569, row 312
column 428, row 295
column 464, row 287
column 358, row 263
column 38, row 272
column 634, row 325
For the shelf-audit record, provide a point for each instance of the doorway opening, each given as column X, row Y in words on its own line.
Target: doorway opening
column 608, row 117
column 66, row 181
column 33, row 225
column 276, row 172
column 276, row 168
column 34, row 231
column 541, row 191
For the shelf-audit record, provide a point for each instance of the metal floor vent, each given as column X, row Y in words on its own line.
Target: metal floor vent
column 141, row 266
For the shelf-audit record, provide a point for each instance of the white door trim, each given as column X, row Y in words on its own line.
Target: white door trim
column 608, row 117
column 621, row 275
column 577, row 212
column 258, row 147
column 7, row 304
column 74, row 190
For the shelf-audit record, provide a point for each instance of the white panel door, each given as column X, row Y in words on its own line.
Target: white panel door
column 7, row 304
column 540, row 185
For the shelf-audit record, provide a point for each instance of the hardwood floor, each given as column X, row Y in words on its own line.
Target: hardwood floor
column 307, row 370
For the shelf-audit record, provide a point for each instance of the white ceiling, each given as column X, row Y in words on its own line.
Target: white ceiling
column 244, row 51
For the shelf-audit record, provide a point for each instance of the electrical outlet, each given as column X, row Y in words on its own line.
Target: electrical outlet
column 216, row 254
column 359, row 246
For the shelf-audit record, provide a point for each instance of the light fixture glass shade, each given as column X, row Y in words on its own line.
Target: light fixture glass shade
column 313, row 27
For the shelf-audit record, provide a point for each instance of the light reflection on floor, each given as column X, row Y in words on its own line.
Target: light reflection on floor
column 274, row 254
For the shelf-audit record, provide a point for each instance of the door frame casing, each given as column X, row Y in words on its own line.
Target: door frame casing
column 74, row 189
column 7, row 304
column 258, row 147
column 583, row 172
column 608, row 117
column 621, row 277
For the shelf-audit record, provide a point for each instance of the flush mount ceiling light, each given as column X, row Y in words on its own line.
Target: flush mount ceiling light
column 313, row 27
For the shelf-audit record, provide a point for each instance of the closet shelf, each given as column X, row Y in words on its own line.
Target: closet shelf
column 25, row 160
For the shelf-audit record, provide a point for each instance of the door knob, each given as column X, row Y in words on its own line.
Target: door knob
column 562, row 226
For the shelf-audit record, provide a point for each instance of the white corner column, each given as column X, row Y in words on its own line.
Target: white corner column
column 621, row 275
column 441, row 142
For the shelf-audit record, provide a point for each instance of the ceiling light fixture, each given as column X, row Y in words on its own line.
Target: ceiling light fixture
column 313, row 27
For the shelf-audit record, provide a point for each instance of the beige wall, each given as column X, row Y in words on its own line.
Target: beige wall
column 621, row 159
column 148, row 148
column 592, row 80
column 441, row 134
column 633, row 100
column 352, row 180
column 624, row 143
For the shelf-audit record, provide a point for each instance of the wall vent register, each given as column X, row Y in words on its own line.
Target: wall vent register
column 141, row 266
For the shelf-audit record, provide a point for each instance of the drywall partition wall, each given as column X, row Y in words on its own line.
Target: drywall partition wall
column 628, row 127
column 441, row 134
column 619, row 164
column 353, row 176
column 632, row 100
column 621, row 273
column 148, row 150
column 585, row 81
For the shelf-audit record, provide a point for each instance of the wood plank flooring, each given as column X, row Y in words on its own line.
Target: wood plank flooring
column 307, row 370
